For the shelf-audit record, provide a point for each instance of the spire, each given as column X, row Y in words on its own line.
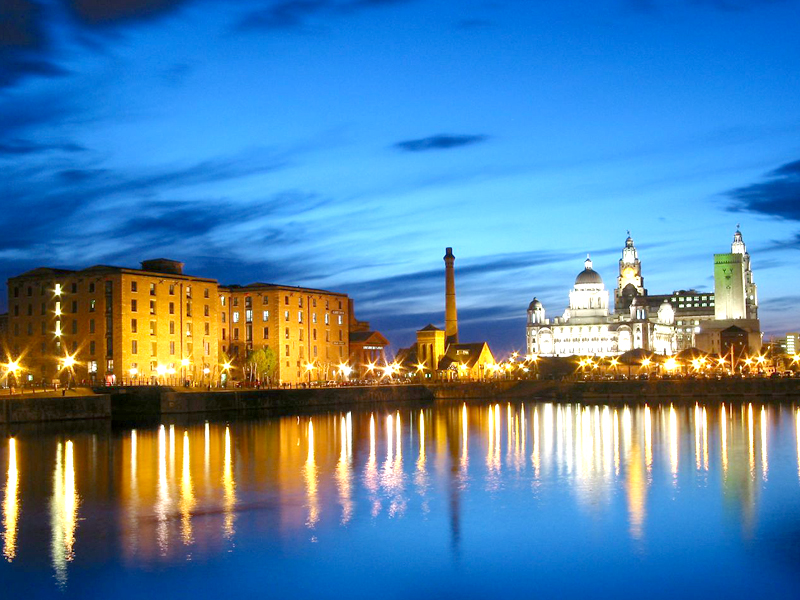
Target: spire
column 738, row 247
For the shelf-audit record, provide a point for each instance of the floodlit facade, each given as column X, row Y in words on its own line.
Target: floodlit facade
column 115, row 325
column 588, row 327
column 307, row 329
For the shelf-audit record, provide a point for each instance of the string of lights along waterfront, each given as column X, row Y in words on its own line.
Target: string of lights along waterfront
column 465, row 493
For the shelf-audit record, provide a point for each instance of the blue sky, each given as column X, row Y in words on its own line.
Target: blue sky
column 344, row 143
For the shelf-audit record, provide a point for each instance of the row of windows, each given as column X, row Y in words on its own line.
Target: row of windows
column 58, row 289
column 172, row 286
column 154, row 348
column 58, row 309
column 248, row 301
column 57, row 329
column 287, row 334
column 135, row 308
column 153, row 328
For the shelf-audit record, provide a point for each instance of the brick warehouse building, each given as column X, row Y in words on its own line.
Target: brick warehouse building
column 123, row 325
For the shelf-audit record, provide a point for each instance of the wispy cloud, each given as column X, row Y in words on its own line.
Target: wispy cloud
column 294, row 14
column 442, row 141
column 108, row 12
column 778, row 195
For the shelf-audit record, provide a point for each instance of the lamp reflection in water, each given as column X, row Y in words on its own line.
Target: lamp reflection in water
column 63, row 511
column 697, row 433
column 464, row 444
column 371, row 470
column 616, row 442
column 764, row 462
column 751, row 439
column 648, row 441
column 187, row 493
column 228, row 485
column 11, row 504
column 421, row 475
column 162, row 500
column 535, row 459
column 705, row 439
column 797, row 432
column 392, row 477
column 343, row 466
column 133, row 512
column 310, row 476
column 673, row 443
column 493, row 448
column 723, row 428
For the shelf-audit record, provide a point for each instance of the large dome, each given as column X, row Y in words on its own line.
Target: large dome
column 588, row 276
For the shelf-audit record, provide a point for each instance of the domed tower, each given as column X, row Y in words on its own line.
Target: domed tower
column 535, row 313
column 630, row 282
column 589, row 297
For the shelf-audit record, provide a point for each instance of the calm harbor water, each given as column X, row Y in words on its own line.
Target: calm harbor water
column 473, row 500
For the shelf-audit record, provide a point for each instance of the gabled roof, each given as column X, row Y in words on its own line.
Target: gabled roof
column 372, row 337
column 430, row 327
column 467, row 354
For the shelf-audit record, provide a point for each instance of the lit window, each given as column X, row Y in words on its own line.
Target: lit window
column 236, row 316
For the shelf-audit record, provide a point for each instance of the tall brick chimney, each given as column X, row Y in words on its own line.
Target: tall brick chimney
column 450, row 313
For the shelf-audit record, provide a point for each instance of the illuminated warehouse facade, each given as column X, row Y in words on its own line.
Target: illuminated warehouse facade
column 116, row 324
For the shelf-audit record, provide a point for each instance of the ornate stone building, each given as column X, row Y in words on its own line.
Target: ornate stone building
column 587, row 327
column 658, row 323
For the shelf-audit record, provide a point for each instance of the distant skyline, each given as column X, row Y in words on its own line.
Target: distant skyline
column 343, row 144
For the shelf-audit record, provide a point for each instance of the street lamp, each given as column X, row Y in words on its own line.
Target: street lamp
column 309, row 368
column 12, row 368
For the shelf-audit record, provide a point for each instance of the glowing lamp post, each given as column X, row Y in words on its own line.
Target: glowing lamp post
column 185, row 362
column 309, row 368
column 646, row 364
column 12, row 368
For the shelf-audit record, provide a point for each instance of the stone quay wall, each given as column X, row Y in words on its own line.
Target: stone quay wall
column 628, row 391
column 132, row 403
column 30, row 408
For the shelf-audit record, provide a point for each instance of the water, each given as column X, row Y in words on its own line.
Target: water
column 470, row 501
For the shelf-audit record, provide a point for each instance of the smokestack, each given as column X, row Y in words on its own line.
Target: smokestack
column 450, row 314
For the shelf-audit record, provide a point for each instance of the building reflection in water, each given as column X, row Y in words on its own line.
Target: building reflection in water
column 63, row 511
column 608, row 458
column 11, row 503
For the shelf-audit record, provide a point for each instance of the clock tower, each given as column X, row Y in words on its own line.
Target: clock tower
column 630, row 282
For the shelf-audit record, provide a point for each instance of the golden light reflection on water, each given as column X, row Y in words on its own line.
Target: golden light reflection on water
column 163, row 501
column 673, row 443
column 764, row 460
column 11, row 504
column 187, row 492
column 334, row 469
column 648, row 440
column 63, row 511
column 344, row 467
column 309, row 474
column 723, row 429
column 797, row 433
column 751, row 445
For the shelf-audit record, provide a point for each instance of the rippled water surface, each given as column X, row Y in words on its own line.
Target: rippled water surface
column 478, row 500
